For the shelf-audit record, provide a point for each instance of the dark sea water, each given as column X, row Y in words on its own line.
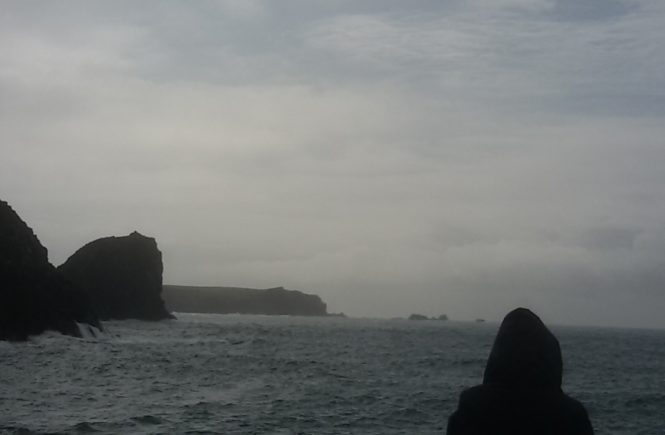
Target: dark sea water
column 205, row 374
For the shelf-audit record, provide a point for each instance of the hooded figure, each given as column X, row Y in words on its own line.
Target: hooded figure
column 521, row 390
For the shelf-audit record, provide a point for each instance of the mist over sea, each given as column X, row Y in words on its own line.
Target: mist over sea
column 233, row 374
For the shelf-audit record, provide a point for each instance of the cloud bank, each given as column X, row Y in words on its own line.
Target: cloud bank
column 436, row 157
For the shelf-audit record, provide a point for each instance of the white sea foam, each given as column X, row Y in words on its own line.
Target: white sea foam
column 89, row 332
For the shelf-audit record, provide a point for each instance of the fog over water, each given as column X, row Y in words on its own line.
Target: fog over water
column 393, row 157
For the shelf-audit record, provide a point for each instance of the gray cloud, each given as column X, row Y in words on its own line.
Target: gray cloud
column 457, row 157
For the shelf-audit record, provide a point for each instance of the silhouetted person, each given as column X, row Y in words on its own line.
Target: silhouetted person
column 521, row 390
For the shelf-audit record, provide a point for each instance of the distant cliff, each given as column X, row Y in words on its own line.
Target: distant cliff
column 34, row 297
column 121, row 275
column 224, row 300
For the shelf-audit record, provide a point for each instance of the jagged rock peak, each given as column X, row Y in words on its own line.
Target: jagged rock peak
column 34, row 297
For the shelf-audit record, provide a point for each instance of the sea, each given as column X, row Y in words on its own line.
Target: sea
column 241, row 374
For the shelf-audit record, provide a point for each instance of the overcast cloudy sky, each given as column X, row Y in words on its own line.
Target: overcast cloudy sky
column 461, row 156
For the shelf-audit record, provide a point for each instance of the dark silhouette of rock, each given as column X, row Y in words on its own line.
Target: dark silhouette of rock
column 121, row 275
column 521, row 391
column 442, row 317
column 34, row 297
column 225, row 300
column 417, row 317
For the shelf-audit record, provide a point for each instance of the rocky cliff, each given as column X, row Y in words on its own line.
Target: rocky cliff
column 121, row 275
column 34, row 297
column 275, row 301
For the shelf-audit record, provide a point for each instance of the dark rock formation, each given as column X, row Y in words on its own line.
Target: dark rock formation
column 224, row 300
column 417, row 317
column 34, row 297
column 121, row 275
column 521, row 391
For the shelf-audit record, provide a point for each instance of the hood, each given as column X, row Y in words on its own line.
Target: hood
column 525, row 354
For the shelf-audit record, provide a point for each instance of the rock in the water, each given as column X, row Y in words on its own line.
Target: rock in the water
column 223, row 300
column 121, row 275
column 34, row 297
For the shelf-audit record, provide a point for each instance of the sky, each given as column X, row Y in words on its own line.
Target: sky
column 393, row 157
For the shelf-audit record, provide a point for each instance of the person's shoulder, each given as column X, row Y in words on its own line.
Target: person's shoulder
column 481, row 409
column 577, row 416
column 468, row 415
column 474, row 395
column 481, row 400
column 573, row 405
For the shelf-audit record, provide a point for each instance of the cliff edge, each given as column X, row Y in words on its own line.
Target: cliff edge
column 226, row 300
column 121, row 275
column 34, row 297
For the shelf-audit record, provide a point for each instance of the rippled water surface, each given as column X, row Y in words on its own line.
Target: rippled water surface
column 234, row 374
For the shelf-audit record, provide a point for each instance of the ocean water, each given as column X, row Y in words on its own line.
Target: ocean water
column 232, row 374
